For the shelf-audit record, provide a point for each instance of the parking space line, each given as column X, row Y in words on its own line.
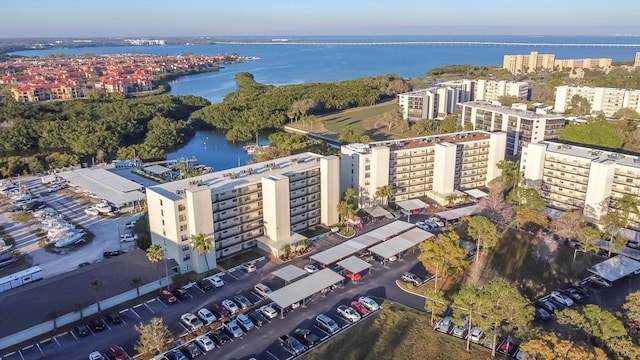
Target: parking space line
column 22, row 356
column 275, row 357
column 74, row 336
column 57, row 342
column 230, row 274
column 148, row 307
column 105, row 324
column 39, row 348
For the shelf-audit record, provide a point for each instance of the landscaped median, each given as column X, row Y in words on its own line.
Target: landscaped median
column 395, row 332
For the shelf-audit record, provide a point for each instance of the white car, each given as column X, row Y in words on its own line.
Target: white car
column 206, row 316
column 561, row 298
column 245, row 323
column 268, row 311
column 248, row 267
column 230, row 306
column 370, row 304
column 234, row 329
column 191, row 321
column 128, row 238
column 216, row 281
column 476, row 334
column 130, row 225
column 205, row 343
column 96, row 356
column 310, row 268
column 348, row 313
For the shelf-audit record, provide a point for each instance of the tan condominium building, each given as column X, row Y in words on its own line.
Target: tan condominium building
column 573, row 177
column 518, row 64
column 429, row 166
column 636, row 63
column 439, row 101
column 263, row 205
column 522, row 127
column 602, row 100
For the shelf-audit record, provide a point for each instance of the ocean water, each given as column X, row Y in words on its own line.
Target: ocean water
column 325, row 59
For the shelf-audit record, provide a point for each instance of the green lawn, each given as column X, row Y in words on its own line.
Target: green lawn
column 534, row 265
column 396, row 333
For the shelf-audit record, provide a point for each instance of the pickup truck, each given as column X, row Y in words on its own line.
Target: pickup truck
column 128, row 238
column 306, row 337
column 291, row 344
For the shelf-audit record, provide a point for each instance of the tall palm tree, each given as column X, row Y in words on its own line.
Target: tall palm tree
column 628, row 204
column 96, row 285
column 155, row 253
column 385, row 192
column 202, row 244
column 349, row 195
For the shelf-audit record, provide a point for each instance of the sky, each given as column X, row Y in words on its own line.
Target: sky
column 120, row 18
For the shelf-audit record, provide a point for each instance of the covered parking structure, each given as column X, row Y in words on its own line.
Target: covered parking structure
column 157, row 171
column 400, row 243
column 378, row 212
column 476, row 193
column 289, row 273
column 106, row 185
column 616, row 268
column 626, row 251
column 354, row 264
column 455, row 214
column 303, row 289
column 361, row 242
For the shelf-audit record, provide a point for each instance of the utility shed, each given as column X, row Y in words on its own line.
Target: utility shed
column 615, row 268
column 289, row 273
column 304, row 288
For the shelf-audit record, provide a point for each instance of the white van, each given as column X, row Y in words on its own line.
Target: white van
column 262, row 289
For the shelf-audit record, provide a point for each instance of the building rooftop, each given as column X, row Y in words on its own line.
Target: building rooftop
column 239, row 176
column 508, row 110
column 632, row 160
column 422, row 141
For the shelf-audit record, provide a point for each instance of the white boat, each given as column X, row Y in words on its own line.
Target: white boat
column 3, row 246
column 103, row 208
column 70, row 238
column 91, row 211
column 250, row 149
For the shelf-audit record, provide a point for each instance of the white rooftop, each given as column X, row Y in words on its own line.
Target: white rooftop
column 240, row 176
column 305, row 287
column 460, row 212
column 354, row 264
column 615, row 268
column 508, row 110
column 289, row 273
column 378, row 211
column 400, row 243
column 106, row 185
column 476, row 193
column 390, row 230
column 413, row 204
column 157, row 169
column 593, row 154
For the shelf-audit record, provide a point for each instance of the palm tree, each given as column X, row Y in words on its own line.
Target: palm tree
column 385, row 192
column 96, row 285
column 511, row 176
column 203, row 244
column 135, row 282
column 628, row 204
column 349, row 195
column 343, row 210
column 155, row 253
column 53, row 316
column 80, row 308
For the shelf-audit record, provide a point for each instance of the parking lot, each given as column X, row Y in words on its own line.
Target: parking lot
column 53, row 261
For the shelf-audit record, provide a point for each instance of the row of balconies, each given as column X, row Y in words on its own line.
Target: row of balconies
column 233, row 212
column 303, row 225
column 558, row 175
column 569, row 169
column 238, row 230
column 222, row 196
column 566, row 192
column 236, row 201
column 567, row 184
column 295, row 185
column 236, row 248
column 576, row 163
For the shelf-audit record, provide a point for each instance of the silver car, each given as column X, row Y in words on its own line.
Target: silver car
column 245, row 323
column 233, row 329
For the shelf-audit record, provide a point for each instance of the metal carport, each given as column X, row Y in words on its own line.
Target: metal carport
column 304, row 288
column 460, row 212
column 338, row 252
column 289, row 273
column 390, row 230
column 354, row 264
column 400, row 243
column 615, row 268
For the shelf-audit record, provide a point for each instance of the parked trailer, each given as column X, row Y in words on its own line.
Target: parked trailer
column 47, row 179
column 20, row 278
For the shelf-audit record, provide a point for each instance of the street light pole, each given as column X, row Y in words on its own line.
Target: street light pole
column 166, row 265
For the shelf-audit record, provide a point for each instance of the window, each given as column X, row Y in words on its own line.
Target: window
column 186, row 257
column 183, row 227
column 182, row 218
column 160, row 202
column 161, row 212
column 185, row 247
column 162, row 222
column 182, row 207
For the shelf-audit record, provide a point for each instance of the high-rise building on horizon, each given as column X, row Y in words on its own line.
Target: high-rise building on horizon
column 519, row 64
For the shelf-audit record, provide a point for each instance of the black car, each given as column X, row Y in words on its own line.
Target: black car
column 180, row 293
column 547, row 305
column 204, row 284
column 113, row 318
column 97, row 324
column 33, row 205
column 112, row 253
column 573, row 294
column 191, row 350
column 220, row 337
column 82, row 330
column 257, row 318
column 581, row 289
column 306, row 337
column 175, row 355
column 542, row 314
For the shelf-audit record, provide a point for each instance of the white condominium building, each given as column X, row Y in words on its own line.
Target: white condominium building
column 636, row 63
column 522, row 127
column 605, row 100
column 573, row 177
column 431, row 166
column 439, row 101
column 261, row 204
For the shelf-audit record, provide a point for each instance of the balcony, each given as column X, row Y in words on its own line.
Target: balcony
column 567, row 176
column 578, row 164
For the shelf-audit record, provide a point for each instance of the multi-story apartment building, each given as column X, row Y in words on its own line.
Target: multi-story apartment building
column 573, row 177
column 636, row 63
column 261, row 204
column 517, row 64
column 605, row 100
column 522, row 127
column 528, row 63
column 429, row 166
column 439, row 101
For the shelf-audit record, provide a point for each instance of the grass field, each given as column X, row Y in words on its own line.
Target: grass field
column 363, row 120
column 396, row 333
column 534, row 265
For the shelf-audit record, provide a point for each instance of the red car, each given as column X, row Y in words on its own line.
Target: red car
column 359, row 307
column 352, row 276
column 219, row 311
column 116, row 352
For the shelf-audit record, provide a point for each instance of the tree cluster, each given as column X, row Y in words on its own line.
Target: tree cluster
column 255, row 107
column 284, row 144
column 471, row 72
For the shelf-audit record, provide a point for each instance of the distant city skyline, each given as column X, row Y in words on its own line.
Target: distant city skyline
column 156, row 18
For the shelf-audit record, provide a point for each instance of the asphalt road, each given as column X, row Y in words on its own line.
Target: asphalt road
column 259, row 343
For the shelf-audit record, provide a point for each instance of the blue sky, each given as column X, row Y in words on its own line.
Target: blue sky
column 90, row 18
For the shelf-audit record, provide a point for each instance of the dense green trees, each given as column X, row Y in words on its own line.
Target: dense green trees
column 597, row 132
column 61, row 133
column 255, row 107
